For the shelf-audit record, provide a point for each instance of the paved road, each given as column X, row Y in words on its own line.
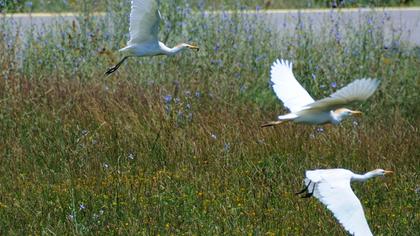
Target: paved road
column 404, row 21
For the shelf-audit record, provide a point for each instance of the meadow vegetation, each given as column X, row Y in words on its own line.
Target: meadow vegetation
column 173, row 145
column 101, row 5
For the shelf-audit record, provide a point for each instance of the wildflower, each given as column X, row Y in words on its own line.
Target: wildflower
column 28, row 4
column 213, row 136
column 167, row 98
column 197, row 94
column 226, row 147
column 131, row 156
column 320, row 129
column 105, row 166
column 216, row 47
column 333, row 84
column 85, row 132
column 82, row 207
column 417, row 190
column 313, row 76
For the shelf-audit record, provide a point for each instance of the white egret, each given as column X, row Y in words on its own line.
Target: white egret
column 304, row 109
column 144, row 28
column 332, row 188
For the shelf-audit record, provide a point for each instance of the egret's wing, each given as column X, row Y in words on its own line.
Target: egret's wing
column 144, row 21
column 335, row 192
column 358, row 90
column 286, row 87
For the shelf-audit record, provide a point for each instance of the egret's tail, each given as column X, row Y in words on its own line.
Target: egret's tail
column 272, row 123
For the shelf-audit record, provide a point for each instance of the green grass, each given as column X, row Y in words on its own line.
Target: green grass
column 86, row 155
column 100, row 5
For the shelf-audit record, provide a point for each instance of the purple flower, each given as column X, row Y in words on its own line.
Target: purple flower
column 28, row 4
column 226, row 147
column 216, row 47
column 167, row 98
column 333, row 84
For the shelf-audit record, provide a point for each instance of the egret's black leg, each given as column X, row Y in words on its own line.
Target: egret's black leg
column 304, row 189
column 309, row 194
column 115, row 68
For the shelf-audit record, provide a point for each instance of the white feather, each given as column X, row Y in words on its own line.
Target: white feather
column 144, row 21
column 332, row 188
column 358, row 90
column 287, row 88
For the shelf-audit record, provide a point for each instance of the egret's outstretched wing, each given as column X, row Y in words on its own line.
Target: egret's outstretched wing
column 144, row 21
column 358, row 90
column 332, row 188
column 286, row 87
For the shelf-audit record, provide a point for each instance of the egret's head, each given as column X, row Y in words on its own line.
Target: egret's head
column 186, row 45
column 344, row 112
column 381, row 172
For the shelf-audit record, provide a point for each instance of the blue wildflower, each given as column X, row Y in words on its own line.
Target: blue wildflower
column 167, row 98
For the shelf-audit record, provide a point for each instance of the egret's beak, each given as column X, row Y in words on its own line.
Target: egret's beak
column 356, row 113
column 193, row 47
column 388, row 172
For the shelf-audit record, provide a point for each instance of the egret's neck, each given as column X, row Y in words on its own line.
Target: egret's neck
column 364, row 177
column 336, row 117
column 171, row 51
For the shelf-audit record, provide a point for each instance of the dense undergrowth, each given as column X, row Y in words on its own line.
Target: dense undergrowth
column 173, row 145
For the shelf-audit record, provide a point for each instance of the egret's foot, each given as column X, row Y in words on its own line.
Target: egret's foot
column 308, row 194
column 111, row 70
column 114, row 68
column 304, row 189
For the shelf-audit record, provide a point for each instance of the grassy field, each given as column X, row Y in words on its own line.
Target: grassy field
column 172, row 146
column 101, row 5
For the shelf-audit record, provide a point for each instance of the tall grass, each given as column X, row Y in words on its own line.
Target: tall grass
column 12, row 6
column 173, row 145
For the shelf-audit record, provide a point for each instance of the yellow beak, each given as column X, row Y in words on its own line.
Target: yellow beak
column 194, row 47
column 356, row 113
column 388, row 172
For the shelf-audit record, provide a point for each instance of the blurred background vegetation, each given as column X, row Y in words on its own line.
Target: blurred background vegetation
column 99, row 5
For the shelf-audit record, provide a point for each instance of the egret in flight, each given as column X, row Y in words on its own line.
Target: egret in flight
column 332, row 188
column 304, row 109
column 144, row 28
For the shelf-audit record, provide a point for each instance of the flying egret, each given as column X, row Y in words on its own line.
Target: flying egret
column 332, row 188
column 304, row 109
column 144, row 28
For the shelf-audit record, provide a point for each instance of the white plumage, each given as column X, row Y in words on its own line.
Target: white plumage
column 332, row 188
column 304, row 109
column 144, row 21
column 287, row 88
column 144, row 29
